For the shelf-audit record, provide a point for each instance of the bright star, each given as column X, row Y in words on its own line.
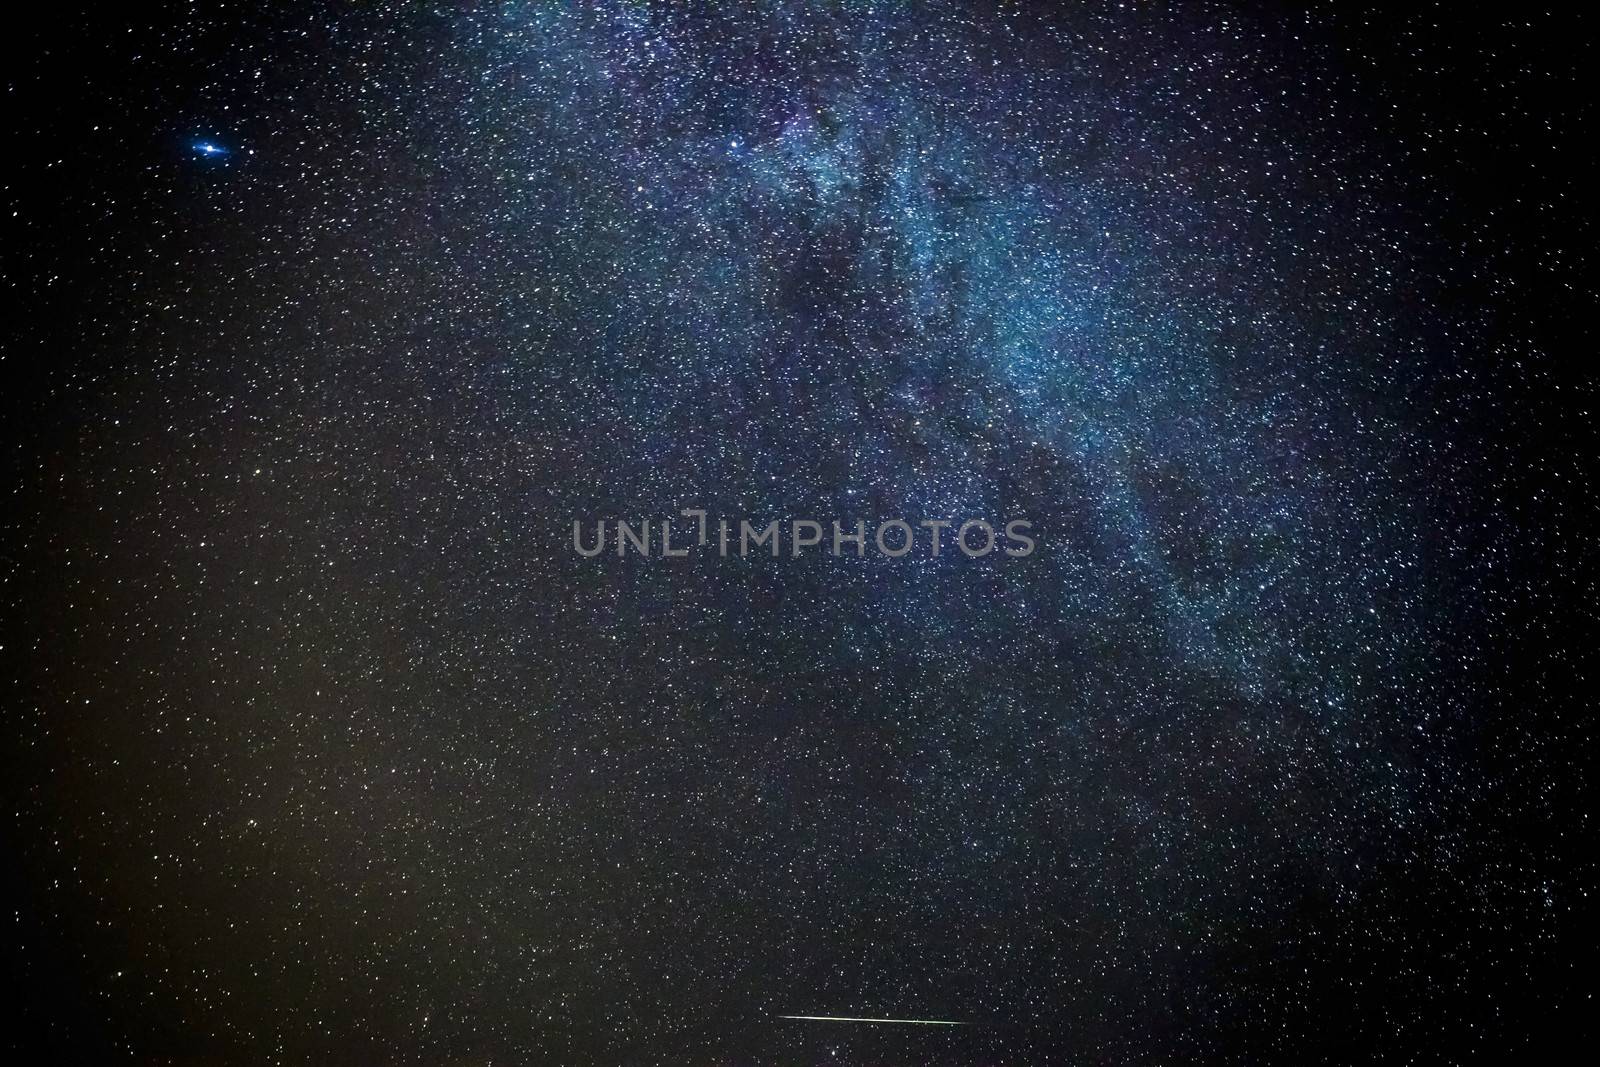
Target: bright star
column 207, row 148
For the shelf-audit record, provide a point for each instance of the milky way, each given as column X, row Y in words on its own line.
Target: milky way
column 326, row 746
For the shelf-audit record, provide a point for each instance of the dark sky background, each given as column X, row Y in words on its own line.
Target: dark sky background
column 326, row 321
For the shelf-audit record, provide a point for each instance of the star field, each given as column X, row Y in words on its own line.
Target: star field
column 323, row 745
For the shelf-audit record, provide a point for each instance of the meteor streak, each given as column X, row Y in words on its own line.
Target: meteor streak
column 858, row 1019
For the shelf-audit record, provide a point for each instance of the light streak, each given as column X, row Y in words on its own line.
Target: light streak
column 863, row 1019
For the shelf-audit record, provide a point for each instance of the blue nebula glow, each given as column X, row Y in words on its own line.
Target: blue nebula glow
column 209, row 149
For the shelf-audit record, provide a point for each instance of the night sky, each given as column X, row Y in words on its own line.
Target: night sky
column 327, row 321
